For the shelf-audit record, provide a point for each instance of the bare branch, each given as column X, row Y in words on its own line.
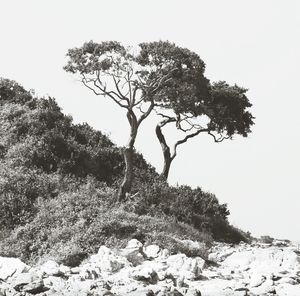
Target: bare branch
column 185, row 139
column 103, row 91
column 220, row 139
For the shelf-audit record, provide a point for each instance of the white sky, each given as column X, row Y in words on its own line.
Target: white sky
column 253, row 43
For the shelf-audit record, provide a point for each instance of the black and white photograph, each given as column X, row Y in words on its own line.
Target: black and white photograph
column 149, row 148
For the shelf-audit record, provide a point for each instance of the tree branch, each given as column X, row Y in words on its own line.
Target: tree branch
column 185, row 139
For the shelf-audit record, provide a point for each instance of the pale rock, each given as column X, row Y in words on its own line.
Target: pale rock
column 152, row 251
column 192, row 267
column 216, row 287
column 79, row 287
column 176, row 261
column 11, row 266
column 122, row 284
column 134, row 244
column 220, row 252
column 107, row 261
column 266, row 287
column 50, row 268
column 89, row 271
column 146, row 274
column 257, row 280
column 75, row 270
column 141, row 292
column 132, row 255
column 239, row 260
column 22, row 279
column 28, row 282
column 164, row 254
column 35, row 287
column 56, row 283
column 104, row 251
column 133, row 252
column 64, row 269
column 288, row 290
column 193, row 292
column 287, row 280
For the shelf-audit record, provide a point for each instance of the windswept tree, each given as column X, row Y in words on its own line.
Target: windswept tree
column 222, row 113
column 137, row 81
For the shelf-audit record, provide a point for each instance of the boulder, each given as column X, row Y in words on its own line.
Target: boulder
column 11, row 266
column 145, row 274
column 288, row 290
column 133, row 252
column 50, row 268
column 28, row 282
column 189, row 268
column 193, row 292
column 257, row 280
column 134, row 244
column 151, row 251
column 266, row 287
column 106, row 260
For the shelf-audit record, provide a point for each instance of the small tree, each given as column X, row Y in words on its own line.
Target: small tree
column 137, row 82
column 221, row 114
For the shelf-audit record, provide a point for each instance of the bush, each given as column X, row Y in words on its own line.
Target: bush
column 72, row 225
column 266, row 239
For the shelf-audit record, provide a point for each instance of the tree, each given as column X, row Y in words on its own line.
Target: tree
column 136, row 81
column 221, row 114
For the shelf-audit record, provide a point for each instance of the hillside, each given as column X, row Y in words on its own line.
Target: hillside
column 58, row 190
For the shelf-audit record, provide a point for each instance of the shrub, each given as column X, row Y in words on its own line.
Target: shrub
column 266, row 239
column 72, row 225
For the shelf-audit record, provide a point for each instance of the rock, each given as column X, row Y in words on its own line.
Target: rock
column 180, row 264
column 287, row 280
column 133, row 252
column 23, row 279
column 11, row 266
column 288, row 290
column 56, row 283
column 64, row 270
column 146, row 274
column 217, row 287
column 36, row 287
column 257, row 280
column 164, row 254
column 239, row 260
column 50, row 268
column 176, row 261
column 141, row 292
column 134, row 244
column 193, row 292
column 28, row 282
column 75, row 270
column 106, row 260
column 152, row 251
column 265, row 288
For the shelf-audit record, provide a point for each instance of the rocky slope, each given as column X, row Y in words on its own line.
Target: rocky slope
column 256, row 269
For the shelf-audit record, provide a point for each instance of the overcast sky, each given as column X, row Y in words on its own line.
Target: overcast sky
column 253, row 43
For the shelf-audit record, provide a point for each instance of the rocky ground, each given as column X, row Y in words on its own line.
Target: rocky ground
column 257, row 269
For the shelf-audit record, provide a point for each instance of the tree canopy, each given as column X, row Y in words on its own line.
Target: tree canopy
column 157, row 74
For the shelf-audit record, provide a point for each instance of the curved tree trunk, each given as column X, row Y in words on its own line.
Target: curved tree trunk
column 128, row 151
column 128, row 176
column 166, row 152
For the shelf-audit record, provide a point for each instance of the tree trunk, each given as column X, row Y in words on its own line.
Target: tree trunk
column 166, row 152
column 128, row 176
column 128, row 151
